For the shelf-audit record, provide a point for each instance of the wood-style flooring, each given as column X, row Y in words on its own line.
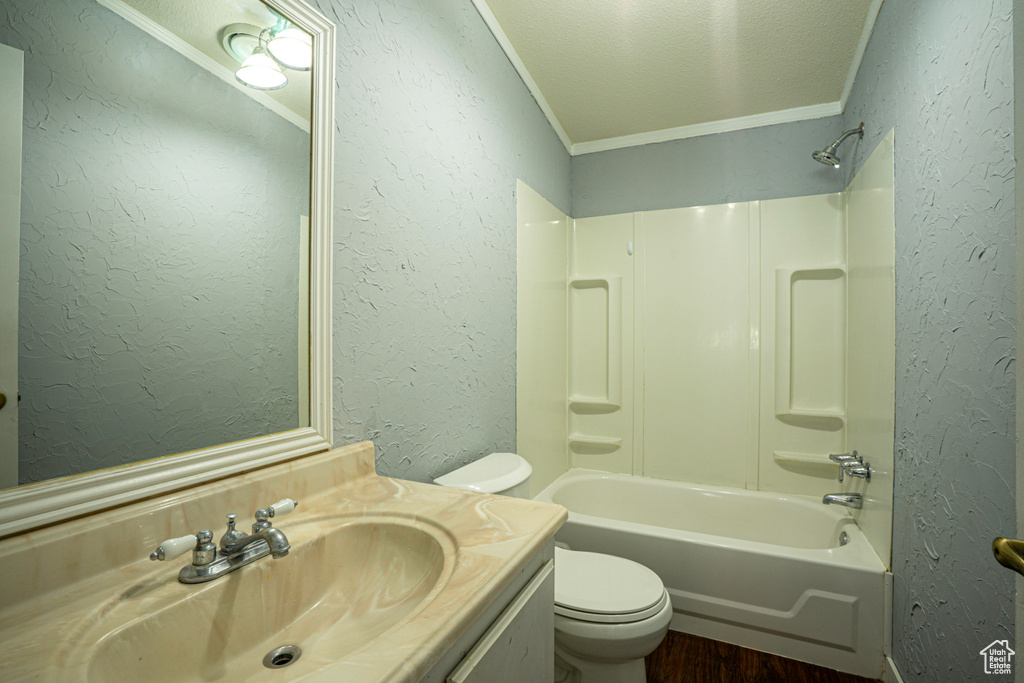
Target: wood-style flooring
column 682, row 658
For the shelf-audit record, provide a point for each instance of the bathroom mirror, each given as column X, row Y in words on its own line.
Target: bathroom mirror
column 173, row 247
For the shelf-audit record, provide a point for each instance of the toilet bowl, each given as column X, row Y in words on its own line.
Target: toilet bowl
column 610, row 612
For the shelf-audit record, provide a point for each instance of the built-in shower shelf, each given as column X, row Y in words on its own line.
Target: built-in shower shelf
column 810, row 340
column 804, row 458
column 591, row 406
column 822, row 419
column 810, row 464
column 594, row 445
column 587, row 327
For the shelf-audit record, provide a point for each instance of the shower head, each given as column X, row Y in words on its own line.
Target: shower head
column 828, row 156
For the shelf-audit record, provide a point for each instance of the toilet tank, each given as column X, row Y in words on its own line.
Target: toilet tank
column 506, row 474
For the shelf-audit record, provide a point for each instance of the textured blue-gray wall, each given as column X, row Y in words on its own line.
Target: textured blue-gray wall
column 159, row 248
column 1018, row 198
column 940, row 73
column 433, row 128
column 746, row 165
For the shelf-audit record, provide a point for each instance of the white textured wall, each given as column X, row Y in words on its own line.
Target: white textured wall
column 159, row 248
column 940, row 73
column 771, row 162
column 434, row 126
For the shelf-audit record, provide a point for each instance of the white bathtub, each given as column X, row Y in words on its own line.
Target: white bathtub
column 761, row 570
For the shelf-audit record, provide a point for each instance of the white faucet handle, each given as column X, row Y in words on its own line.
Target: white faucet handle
column 283, row 507
column 173, row 547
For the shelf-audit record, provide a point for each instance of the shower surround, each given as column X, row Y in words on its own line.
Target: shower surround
column 733, row 346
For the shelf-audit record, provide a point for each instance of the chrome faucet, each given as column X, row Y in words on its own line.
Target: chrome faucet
column 860, row 469
column 237, row 548
column 852, row 464
column 849, row 500
column 234, row 541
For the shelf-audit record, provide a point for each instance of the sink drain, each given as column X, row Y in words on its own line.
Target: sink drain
column 280, row 657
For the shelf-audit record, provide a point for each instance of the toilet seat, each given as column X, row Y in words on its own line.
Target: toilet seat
column 599, row 618
column 605, row 589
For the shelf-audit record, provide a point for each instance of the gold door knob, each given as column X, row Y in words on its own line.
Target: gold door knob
column 1010, row 553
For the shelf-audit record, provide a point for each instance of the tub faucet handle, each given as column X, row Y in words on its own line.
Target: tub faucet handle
column 856, row 469
column 844, row 460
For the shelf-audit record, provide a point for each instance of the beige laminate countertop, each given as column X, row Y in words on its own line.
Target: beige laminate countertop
column 67, row 585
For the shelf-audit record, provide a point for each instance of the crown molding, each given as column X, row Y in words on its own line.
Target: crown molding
column 858, row 56
column 499, row 34
column 815, row 111
column 771, row 118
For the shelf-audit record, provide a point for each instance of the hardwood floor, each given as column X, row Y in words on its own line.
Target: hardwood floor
column 682, row 658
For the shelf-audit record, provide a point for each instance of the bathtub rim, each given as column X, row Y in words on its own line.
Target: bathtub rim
column 856, row 554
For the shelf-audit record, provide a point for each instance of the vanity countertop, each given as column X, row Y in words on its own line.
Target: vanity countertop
column 80, row 597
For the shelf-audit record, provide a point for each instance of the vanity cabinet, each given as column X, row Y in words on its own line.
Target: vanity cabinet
column 514, row 639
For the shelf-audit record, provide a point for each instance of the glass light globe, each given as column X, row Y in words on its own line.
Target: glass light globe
column 261, row 72
column 292, row 48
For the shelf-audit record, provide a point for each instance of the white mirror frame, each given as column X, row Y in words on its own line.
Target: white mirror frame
column 36, row 505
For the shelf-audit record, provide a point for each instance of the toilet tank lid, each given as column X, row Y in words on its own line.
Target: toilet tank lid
column 490, row 474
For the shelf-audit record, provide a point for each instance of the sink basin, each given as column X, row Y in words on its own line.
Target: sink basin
column 344, row 584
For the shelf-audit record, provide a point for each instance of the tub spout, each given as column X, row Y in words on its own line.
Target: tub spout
column 850, row 500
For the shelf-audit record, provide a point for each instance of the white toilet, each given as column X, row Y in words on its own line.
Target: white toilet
column 610, row 612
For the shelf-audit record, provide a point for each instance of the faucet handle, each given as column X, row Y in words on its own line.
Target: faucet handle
column 282, row 507
column 844, row 460
column 278, row 509
column 262, row 520
column 205, row 551
column 858, row 469
column 174, row 547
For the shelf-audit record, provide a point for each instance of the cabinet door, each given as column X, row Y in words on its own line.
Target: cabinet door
column 520, row 645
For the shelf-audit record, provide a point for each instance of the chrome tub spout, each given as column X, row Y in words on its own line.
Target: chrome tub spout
column 849, row 500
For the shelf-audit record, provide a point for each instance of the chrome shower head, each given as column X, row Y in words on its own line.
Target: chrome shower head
column 828, row 156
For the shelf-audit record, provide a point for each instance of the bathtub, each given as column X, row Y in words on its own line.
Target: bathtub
column 765, row 571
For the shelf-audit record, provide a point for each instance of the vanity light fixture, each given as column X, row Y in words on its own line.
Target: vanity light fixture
column 261, row 72
column 240, row 40
column 266, row 53
column 292, row 48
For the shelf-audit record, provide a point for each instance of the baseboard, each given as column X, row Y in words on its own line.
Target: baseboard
column 891, row 673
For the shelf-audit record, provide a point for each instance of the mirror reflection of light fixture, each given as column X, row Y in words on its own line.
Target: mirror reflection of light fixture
column 292, row 48
column 240, row 40
column 265, row 53
column 261, row 72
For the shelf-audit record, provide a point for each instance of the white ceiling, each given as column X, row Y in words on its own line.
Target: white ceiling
column 198, row 24
column 606, row 69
